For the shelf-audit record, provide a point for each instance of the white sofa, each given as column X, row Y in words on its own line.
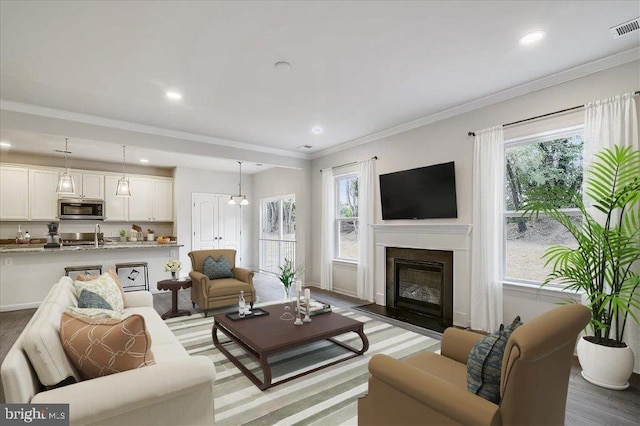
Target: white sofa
column 177, row 389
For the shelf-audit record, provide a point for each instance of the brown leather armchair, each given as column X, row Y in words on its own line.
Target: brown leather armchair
column 428, row 388
column 208, row 293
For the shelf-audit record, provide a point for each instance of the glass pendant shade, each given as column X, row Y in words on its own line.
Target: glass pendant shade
column 239, row 199
column 66, row 185
column 123, row 189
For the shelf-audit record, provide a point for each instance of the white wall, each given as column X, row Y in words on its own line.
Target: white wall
column 187, row 181
column 447, row 140
column 278, row 182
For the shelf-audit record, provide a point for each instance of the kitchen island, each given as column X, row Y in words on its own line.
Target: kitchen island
column 27, row 271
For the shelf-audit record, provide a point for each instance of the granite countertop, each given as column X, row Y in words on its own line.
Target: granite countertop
column 39, row 248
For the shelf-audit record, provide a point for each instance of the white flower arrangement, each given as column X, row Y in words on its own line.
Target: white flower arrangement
column 173, row 266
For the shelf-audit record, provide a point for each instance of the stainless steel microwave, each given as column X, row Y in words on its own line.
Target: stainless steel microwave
column 81, row 209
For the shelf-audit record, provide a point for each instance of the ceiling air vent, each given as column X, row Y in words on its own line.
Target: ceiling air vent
column 305, row 147
column 625, row 28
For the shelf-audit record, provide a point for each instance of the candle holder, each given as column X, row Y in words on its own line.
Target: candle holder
column 307, row 312
column 298, row 320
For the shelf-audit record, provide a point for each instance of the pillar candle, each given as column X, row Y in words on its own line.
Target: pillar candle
column 307, row 294
column 299, row 287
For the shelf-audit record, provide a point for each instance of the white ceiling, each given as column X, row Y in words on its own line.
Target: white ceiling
column 358, row 68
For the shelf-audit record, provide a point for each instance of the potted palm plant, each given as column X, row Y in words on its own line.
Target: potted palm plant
column 604, row 265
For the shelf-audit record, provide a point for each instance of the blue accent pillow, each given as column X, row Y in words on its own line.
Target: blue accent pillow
column 215, row 269
column 89, row 299
column 485, row 363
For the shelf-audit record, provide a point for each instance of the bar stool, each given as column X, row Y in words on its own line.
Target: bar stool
column 82, row 269
column 133, row 275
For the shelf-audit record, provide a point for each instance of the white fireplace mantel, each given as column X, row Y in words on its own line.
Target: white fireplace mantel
column 452, row 237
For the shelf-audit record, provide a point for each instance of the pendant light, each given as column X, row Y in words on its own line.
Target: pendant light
column 66, row 185
column 123, row 189
column 239, row 199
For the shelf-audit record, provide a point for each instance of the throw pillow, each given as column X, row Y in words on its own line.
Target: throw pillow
column 89, row 299
column 99, row 347
column 95, row 312
column 104, row 286
column 484, row 365
column 111, row 272
column 215, row 269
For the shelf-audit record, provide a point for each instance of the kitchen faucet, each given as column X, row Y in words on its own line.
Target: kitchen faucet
column 95, row 235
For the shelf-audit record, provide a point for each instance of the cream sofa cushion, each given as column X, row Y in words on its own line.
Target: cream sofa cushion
column 42, row 340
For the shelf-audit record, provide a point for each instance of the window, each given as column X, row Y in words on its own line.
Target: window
column 347, row 217
column 551, row 159
column 278, row 232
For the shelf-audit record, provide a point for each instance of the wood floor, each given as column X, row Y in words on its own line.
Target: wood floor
column 586, row 404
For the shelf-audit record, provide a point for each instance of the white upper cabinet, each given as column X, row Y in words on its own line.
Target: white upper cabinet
column 116, row 208
column 93, row 186
column 151, row 199
column 43, row 198
column 161, row 200
column 140, row 200
column 14, row 193
column 88, row 185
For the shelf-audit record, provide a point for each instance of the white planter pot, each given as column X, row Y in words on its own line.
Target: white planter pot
column 605, row 366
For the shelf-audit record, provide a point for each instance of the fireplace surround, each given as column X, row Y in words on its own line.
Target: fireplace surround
column 420, row 281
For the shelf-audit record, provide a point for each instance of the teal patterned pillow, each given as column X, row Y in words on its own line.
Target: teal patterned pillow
column 89, row 299
column 485, row 363
column 215, row 269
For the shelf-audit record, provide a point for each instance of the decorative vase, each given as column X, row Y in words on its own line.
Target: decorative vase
column 605, row 366
column 287, row 297
column 174, row 276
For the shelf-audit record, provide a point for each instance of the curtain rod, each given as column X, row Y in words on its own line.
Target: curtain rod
column 375, row 157
column 544, row 115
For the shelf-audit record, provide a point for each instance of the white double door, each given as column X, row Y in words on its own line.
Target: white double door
column 216, row 225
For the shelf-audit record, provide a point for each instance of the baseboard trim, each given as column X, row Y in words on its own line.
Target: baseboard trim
column 20, row 306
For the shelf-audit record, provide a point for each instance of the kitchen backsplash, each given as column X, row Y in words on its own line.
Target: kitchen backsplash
column 109, row 229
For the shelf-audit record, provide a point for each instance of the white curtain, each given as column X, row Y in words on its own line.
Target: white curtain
column 364, row 278
column 486, row 253
column 328, row 230
column 609, row 122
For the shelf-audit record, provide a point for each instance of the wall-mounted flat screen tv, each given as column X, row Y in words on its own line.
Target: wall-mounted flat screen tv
column 422, row 193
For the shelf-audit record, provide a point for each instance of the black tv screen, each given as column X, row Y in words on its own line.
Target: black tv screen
column 423, row 193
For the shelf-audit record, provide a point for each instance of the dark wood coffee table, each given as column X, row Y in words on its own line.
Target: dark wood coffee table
column 268, row 335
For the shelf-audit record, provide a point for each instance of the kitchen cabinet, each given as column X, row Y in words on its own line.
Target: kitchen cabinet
column 151, row 199
column 88, row 185
column 14, row 193
column 116, row 208
column 43, row 198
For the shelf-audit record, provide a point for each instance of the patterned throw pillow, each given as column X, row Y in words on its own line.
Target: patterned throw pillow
column 105, row 287
column 485, row 363
column 89, row 299
column 99, row 347
column 215, row 269
column 111, row 272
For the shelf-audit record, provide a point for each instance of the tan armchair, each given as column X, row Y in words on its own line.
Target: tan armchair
column 208, row 293
column 428, row 388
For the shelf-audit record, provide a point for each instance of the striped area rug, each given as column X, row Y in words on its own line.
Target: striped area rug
column 326, row 397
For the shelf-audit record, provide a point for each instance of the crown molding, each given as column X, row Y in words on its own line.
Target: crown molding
column 523, row 89
column 140, row 128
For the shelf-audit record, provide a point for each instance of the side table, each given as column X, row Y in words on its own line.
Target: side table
column 174, row 286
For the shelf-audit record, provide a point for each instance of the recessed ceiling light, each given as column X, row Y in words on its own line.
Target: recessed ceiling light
column 144, row 160
column 259, row 164
column 173, row 95
column 317, row 130
column 5, row 144
column 283, row 66
column 532, row 37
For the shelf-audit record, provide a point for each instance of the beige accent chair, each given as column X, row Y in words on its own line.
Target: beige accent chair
column 431, row 389
column 208, row 293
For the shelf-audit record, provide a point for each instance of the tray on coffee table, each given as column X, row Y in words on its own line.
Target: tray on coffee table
column 255, row 313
